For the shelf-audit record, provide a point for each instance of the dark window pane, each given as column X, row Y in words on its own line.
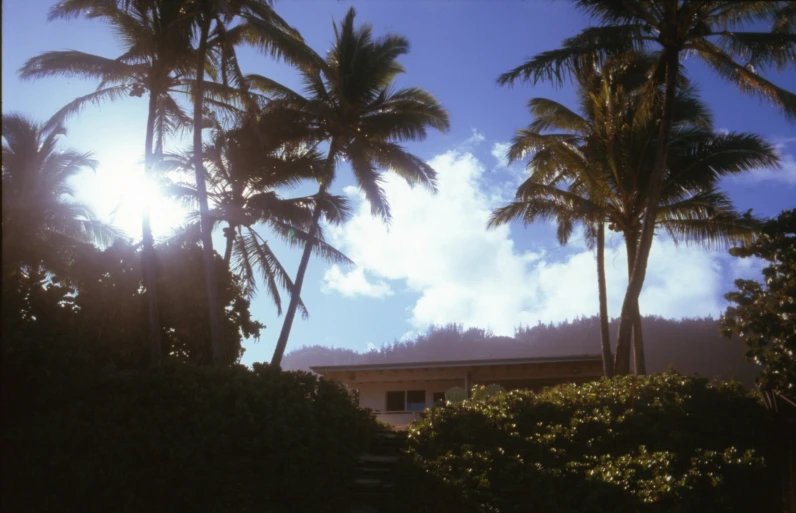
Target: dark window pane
column 395, row 401
column 415, row 400
column 439, row 397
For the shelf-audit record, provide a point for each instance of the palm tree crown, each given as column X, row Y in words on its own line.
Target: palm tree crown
column 711, row 31
column 157, row 58
column 41, row 217
column 593, row 167
column 351, row 103
column 708, row 30
column 245, row 171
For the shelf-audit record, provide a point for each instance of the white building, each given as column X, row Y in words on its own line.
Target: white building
column 397, row 392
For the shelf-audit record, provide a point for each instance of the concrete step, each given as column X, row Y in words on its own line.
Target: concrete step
column 375, row 469
column 374, row 458
column 364, row 483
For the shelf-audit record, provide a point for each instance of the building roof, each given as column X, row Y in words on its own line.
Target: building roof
column 322, row 369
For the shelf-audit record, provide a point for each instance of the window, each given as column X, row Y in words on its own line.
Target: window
column 396, row 401
column 439, row 397
column 415, row 400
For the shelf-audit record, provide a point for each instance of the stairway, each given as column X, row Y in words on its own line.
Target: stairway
column 374, row 482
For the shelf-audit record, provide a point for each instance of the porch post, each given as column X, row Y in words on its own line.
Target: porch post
column 467, row 382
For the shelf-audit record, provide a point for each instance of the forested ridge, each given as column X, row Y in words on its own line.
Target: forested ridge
column 689, row 346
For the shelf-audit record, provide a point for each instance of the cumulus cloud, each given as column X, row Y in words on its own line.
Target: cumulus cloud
column 353, row 283
column 786, row 174
column 471, row 142
column 408, row 335
column 748, row 268
column 438, row 247
column 499, row 150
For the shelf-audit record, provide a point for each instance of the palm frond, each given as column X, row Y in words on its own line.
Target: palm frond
column 577, row 206
column 747, row 81
column 719, row 231
column 278, row 43
column 336, row 209
column 551, row 115
column 527, row 212
column 71, row 63
column 368, row 178
column 78, row 104
column 591, row 46
column 759, row 50
column 273, row 89
column 703, row 158
column 409, row 167
column 296, row 237
column 189, row 232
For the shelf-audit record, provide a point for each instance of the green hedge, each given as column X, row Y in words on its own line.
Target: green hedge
column 662, row 443
column 187, row 439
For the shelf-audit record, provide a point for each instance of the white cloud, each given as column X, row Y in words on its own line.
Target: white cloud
column 439, row 247
column 353, row 283
column 499, row 150
column 408, row 335
column 471, row 142
column 748, row 268
column 787, row 172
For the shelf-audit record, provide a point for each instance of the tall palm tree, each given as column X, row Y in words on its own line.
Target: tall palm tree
column 593, row 167
column 260, row 26
column 705, row 29
column 244, row 171
column 156, row 59
column 42, row 220
column 353, row 106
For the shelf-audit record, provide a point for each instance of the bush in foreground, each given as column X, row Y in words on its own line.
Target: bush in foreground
column 662, row 443
column 187, row 439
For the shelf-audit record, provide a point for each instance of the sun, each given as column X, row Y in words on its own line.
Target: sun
column 118, row 193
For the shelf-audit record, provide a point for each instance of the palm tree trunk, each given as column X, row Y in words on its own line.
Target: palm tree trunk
column 148, row 253
column 639, row 365
column 295, row 296
column 214, row 310
column 229, row 233
column 639, row 360
column 636, row 281
column 605, row 336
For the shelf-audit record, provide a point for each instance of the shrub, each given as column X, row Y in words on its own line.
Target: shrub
column 662, row 443
column 185, row 439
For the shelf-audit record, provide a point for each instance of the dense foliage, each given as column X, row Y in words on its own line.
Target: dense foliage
column 663, row 443
column 764, row 315
column 190, row 438
column 97, row 305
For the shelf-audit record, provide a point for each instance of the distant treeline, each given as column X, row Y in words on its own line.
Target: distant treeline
column 689, row 346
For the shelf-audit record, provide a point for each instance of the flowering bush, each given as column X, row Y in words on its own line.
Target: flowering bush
column 662, row 443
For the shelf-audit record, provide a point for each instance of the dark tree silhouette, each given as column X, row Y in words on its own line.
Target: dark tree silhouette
column 764, row 314
column 353, row 105
column 711, row 31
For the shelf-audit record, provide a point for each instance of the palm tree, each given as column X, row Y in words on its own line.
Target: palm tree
column 352, row 105
column 259, row 26
column 593, row 165
column 42, row 220
column 245, row 169
column 156, row 60
column 706, row 29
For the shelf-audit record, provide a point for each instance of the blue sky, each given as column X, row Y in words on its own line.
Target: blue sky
column 435, row 263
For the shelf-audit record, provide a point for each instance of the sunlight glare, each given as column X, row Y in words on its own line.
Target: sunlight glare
column 119, row 192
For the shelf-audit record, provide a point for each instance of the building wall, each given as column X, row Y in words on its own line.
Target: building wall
column 373, row 384
column 374, row 396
